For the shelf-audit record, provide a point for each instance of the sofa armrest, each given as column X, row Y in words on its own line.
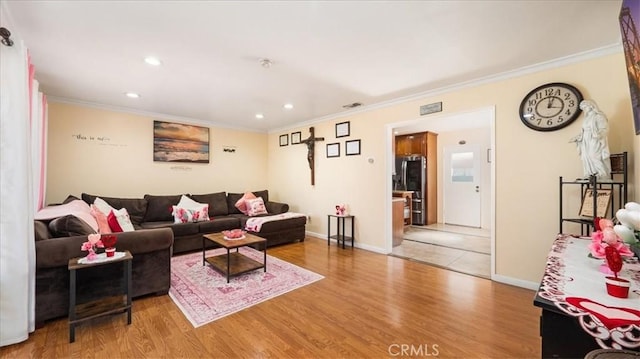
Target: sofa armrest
column 56, row 252
column 276, row 207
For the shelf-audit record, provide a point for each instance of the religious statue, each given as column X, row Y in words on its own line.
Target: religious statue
column 593, row 147
column 310, row 142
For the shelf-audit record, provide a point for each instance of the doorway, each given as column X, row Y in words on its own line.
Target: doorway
column 464, row 159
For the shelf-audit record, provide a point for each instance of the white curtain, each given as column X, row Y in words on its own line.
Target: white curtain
column 22, row 154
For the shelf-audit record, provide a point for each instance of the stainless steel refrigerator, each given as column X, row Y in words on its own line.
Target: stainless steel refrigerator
column 410, row 176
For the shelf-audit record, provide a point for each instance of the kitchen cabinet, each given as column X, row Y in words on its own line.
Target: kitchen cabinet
column 398, row 221
column 407, row 209
column 412, row 144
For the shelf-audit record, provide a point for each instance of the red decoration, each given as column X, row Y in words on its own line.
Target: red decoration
column 614, row 261
column 109, row 241
column 596, row 223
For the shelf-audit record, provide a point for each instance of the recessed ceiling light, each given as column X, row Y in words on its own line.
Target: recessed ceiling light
column 153, row 61
column 132, row 95
column 259, row 116
column 288, row 106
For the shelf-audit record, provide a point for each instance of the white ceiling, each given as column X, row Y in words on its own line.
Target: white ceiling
column 325, row 54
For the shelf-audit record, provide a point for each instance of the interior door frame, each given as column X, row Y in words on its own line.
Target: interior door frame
column 462, row 121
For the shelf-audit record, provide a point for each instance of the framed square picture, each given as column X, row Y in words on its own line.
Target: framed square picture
column 352, row 148
column 602, row 202
column 342, row 129
column 296, row 137
column 333, row 150
column 284, row 140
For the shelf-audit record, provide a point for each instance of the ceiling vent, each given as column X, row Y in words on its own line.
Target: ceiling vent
column 352, row 105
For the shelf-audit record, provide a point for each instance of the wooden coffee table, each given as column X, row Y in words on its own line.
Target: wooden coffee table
column 234, row 263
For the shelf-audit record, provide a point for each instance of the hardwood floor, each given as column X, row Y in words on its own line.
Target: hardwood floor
column 368, row 306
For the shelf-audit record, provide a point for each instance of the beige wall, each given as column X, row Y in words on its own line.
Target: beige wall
column 528, row 163
column 115, row 158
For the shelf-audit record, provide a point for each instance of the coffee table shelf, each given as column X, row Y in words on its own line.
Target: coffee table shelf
column 236, row 263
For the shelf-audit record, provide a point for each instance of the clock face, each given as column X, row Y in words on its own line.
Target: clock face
column 550, row 107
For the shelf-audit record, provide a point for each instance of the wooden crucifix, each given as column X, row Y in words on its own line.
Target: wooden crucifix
column 310, row 142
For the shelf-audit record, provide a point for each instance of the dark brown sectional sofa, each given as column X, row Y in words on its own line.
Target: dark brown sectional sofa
column 152, row 244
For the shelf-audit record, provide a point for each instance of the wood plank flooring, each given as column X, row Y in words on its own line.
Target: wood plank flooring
column 368, row 306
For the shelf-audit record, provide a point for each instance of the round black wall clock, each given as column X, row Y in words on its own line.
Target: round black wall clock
column 551, row 106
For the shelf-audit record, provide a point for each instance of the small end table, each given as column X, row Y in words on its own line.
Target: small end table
column 101, row 307
column 340, row 236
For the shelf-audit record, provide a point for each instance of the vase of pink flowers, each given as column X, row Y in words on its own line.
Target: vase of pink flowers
column 91, row 245
column 95, row 241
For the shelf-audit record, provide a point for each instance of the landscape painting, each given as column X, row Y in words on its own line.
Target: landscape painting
column 174, row 142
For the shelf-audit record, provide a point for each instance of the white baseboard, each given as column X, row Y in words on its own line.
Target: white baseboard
column 496, row 277
column 515, row 282
column 366, row 247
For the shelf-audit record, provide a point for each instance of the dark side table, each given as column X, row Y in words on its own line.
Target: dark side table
column 340, row 235
column 110, row 305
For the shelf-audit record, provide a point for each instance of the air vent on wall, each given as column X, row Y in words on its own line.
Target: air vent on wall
column 352, row 105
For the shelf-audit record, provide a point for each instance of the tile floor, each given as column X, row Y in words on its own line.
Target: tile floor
column 461, row 249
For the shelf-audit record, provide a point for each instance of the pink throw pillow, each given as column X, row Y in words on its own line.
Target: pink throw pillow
column 241, row 205
column 101, row 218
column 256, row 207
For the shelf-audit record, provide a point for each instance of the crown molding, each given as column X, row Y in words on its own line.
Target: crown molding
column 563, row 61
column 559, row 62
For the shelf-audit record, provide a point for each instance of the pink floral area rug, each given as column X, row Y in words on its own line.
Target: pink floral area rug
column 203, row 294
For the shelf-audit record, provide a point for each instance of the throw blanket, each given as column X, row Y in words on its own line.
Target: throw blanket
column 254, row 224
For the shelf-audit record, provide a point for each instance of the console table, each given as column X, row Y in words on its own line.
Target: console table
column 577, row 313
column 340, row 236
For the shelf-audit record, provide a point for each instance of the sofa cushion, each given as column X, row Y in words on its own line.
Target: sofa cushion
column 69, row 226
column 136, row 207
column 219, row 224
column 41, row 230
column 217, row 202
column 264, row 194
column 184, row 229
column 159, row 208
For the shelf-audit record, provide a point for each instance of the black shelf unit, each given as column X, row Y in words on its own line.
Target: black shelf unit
column 618, row 184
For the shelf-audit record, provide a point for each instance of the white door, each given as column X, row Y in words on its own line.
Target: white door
column 462, row 177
